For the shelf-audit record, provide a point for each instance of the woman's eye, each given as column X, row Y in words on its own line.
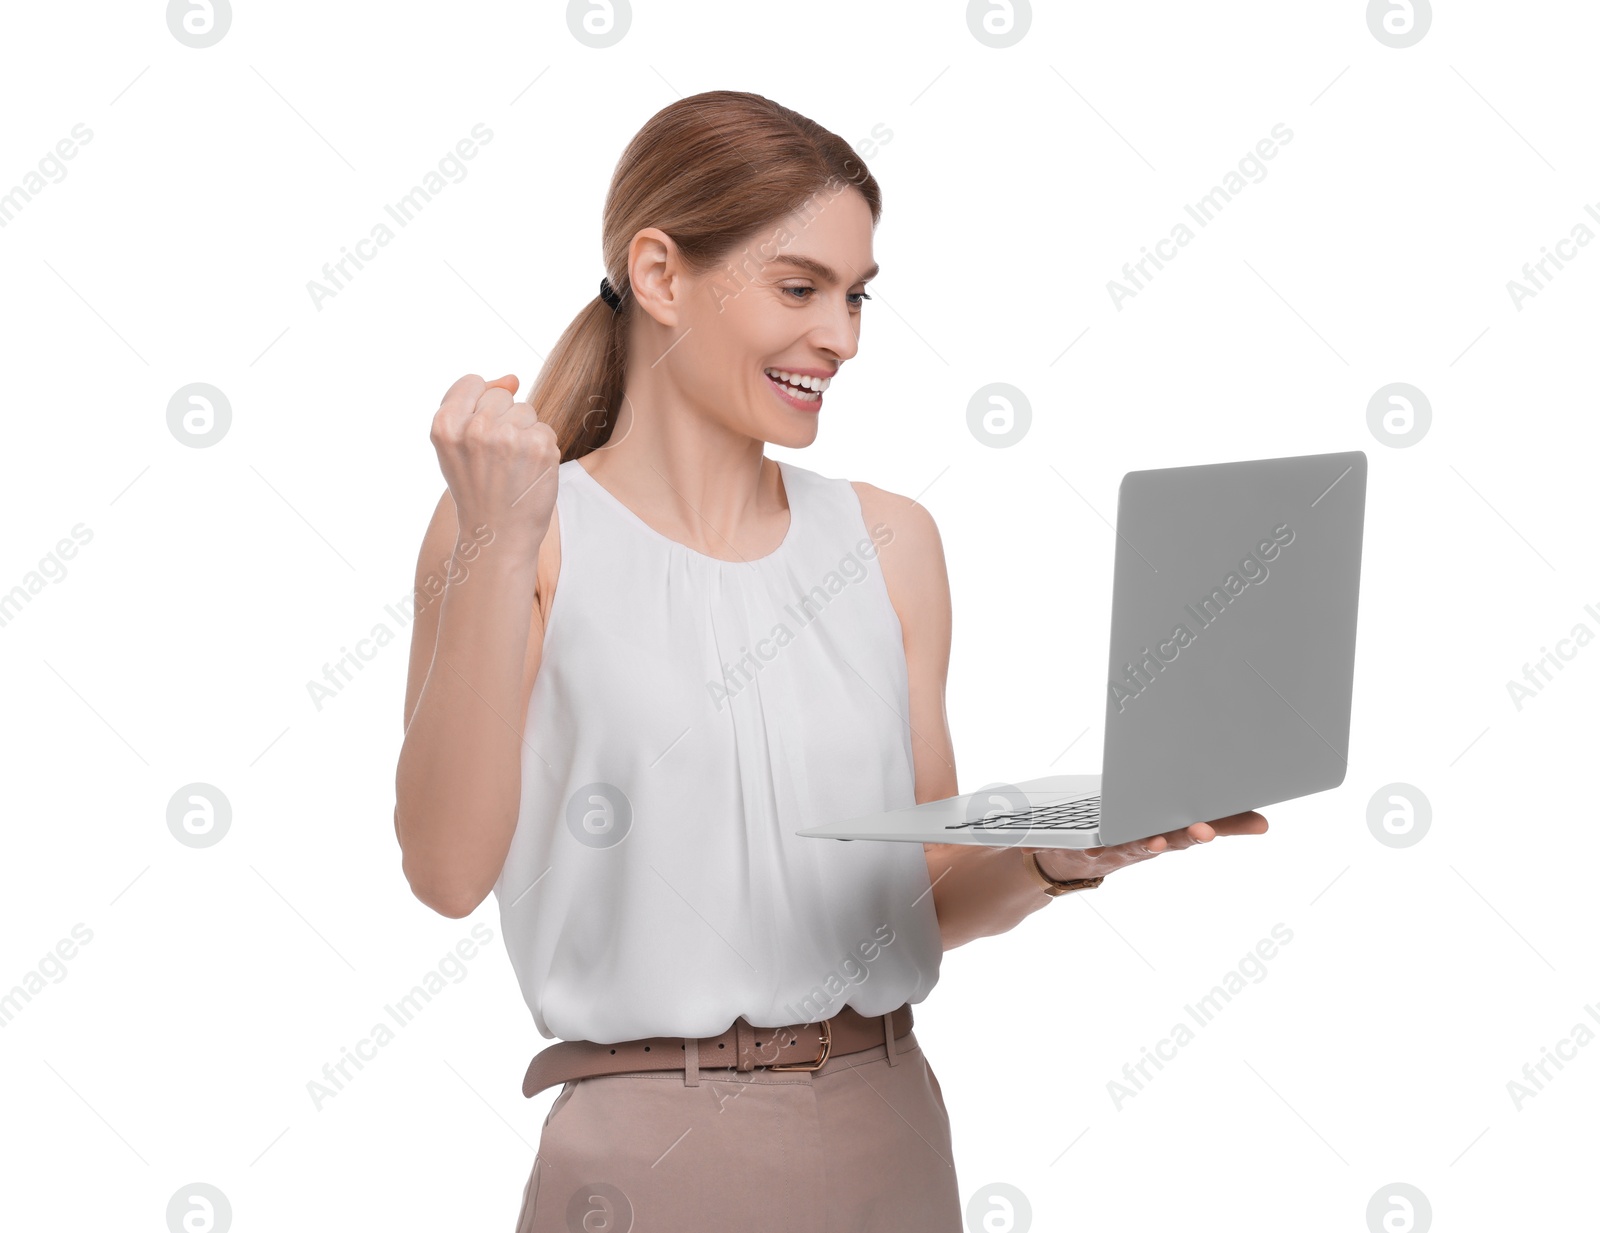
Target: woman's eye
column 856, row 298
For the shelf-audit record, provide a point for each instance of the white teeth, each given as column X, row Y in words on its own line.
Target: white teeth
column 802, row 395
column 819, row 384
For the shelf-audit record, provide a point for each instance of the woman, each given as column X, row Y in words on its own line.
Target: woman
column 660, row 653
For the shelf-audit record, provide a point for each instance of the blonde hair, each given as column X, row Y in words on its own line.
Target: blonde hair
column 712, row 171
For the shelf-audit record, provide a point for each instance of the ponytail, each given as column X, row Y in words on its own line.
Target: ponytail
column 579, row 389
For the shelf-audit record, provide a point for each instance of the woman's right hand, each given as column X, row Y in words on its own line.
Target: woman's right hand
column 498, row 460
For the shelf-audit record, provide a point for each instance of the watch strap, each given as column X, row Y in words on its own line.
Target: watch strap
column 1054, row 887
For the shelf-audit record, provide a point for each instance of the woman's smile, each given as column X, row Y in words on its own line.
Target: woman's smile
column 800, row 390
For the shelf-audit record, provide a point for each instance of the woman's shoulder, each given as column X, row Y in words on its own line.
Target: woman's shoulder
column 903, row 516
column 910, row 553
column 876, row 503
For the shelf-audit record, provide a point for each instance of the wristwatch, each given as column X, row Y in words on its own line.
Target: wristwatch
column 1054, row 888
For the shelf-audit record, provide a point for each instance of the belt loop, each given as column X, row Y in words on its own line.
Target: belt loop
column 888, row 1037
column 691, row 1062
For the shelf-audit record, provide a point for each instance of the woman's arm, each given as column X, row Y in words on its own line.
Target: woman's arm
column 484, row 587
column 977, row 891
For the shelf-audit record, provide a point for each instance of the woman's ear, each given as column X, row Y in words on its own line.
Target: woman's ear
column 656, row 276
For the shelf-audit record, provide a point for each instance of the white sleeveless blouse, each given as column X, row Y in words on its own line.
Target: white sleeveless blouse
column 689, row 715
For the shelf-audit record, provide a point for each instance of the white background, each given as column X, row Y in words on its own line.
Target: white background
column 178, row 1045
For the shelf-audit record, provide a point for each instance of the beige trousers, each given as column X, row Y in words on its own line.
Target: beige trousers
column 861, row 1145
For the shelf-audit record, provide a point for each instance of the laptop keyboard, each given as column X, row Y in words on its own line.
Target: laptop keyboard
column 1079, row 815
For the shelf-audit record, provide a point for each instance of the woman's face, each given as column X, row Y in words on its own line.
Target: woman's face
column 788, row 300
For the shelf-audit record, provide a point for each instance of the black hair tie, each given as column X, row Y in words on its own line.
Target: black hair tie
column 609, row 295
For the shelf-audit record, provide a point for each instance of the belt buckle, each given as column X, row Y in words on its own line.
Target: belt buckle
column 827, row 1041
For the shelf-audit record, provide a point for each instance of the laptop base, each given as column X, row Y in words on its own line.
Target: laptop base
column 1057, row 811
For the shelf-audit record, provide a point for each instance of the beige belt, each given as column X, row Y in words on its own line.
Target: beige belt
column 801, row 1046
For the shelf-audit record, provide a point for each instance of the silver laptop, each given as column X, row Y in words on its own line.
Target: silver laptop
column 1233, row 635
